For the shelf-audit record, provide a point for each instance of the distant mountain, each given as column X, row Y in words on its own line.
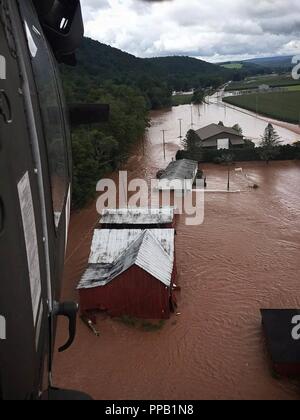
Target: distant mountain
column 278, row 62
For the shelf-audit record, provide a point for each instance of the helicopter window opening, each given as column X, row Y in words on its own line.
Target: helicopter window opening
column 53, row 124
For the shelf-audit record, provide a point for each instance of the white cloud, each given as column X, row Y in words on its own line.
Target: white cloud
column 213, row 30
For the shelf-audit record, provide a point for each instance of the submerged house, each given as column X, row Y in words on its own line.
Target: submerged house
column 130, row 272
column 138, row 218
column 180, row 175
column 217, row 136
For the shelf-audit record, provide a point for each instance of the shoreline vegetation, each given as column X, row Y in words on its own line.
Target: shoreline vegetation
column 270, row 148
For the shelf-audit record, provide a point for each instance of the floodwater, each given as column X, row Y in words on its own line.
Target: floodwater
column 243, row 258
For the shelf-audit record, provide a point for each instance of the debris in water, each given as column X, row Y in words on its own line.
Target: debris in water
column 91, row 326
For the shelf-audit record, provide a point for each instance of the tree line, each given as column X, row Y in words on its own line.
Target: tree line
column 269, row 148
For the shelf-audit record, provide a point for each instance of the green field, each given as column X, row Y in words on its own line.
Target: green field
column 283, row 106
column 293, row 88
column 233, row 66
column 181, row 100
column 272, row 81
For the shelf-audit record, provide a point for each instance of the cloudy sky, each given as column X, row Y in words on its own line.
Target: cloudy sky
column 214, row 30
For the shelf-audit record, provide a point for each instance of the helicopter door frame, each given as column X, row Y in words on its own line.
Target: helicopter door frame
column 54, row 235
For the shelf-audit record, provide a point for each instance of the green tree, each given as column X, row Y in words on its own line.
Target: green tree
column 238, row 128
column 198, row 97
column 192, row 142
column 269, row 144
column 249, row 144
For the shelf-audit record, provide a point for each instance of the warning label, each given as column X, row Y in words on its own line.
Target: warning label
column 30, row 235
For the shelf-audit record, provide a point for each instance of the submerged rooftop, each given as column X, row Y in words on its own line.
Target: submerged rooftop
column 180, row 170
column 137, row 216
column 115, row 251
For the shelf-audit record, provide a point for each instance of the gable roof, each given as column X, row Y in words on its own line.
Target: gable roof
column 212, row 130
column 145, row 252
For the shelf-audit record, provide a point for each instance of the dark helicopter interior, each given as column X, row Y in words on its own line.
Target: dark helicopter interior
column 35, row 188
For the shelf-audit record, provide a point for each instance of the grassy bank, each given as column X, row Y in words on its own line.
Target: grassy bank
column 181, row 100
column 283, row 106
column 272, row 81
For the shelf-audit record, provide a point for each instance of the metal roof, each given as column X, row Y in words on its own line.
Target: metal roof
column 180, row 170
column 109, row 244
column 138, row 216
column 212, row 130
column 145, row 251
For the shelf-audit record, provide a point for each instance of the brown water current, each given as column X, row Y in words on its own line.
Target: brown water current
column 244, row 257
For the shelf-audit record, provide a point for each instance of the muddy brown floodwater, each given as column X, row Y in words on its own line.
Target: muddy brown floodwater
column 244, row 257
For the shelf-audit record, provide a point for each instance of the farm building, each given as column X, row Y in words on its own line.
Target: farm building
column 180, row 175
column 130, row 272
column 138, row 218
column 216, row 136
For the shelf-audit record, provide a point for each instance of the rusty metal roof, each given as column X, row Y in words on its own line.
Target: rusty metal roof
column 146, row 251
column 138, row 216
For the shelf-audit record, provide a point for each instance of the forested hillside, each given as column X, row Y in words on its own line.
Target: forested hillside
column 154, row 77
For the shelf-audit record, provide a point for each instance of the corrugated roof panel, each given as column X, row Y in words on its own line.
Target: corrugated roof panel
column 109, row 244
column 184, row 169
column 138, row 216
column 153, row 251
column 153, row 259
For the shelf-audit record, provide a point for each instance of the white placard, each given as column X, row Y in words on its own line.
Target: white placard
column 2, row 67
column 223, row 144
column 30, row 236
column 2, row 328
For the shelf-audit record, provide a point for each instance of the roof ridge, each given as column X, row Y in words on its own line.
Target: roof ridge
column 145, row 259
column 148, row 232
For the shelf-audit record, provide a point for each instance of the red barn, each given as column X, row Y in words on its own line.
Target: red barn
column 130, row 272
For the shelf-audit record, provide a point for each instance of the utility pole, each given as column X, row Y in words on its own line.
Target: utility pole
column 144, row 145
column 180, row 128
column 192, row 117
column 164, row 143
column 228, row 183
column 256, row 105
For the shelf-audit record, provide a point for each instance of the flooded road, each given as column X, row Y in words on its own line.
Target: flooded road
column 244, row 257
